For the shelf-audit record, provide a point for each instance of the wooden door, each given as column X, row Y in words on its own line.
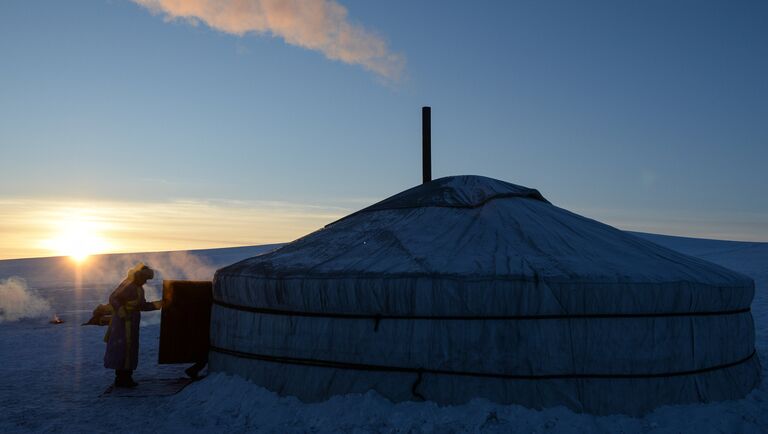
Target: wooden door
column 185, row 321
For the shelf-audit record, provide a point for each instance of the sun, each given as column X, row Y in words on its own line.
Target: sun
column 77, row 238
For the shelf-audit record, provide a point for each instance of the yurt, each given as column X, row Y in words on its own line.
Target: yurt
column 469, row 287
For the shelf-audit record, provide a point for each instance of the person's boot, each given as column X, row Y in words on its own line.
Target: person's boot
column 129, row 379
column 124, row 379
column 119, row 379
column 193, row 371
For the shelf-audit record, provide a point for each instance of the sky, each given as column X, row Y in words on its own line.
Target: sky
column 153, row 125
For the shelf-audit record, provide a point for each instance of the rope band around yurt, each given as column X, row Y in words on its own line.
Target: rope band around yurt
column 421, row 371
column 377, row 318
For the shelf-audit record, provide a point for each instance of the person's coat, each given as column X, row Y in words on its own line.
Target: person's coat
column 122, row 337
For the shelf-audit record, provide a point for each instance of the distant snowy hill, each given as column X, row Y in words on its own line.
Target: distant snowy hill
column 746, row 257
column 189, row 264
column 750, row 258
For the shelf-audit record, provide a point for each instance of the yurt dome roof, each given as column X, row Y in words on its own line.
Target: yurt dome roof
column 474, row 227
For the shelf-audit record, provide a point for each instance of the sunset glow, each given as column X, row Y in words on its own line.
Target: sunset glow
column 78, row 229
column 78, row 238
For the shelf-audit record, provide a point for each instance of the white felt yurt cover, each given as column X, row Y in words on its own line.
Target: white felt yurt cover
column 469, row 287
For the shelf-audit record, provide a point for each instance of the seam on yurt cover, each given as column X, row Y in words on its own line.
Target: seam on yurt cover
column 422, row 371
column 377, row 318
column 374, row 234
column 373, row 208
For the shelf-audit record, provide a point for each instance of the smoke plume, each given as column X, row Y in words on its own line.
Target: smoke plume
column 320, row 25
column 17, row 301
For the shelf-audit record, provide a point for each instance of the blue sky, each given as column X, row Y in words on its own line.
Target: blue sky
column 646, row 115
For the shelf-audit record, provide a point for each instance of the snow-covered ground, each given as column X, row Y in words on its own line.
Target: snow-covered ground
column 51, row 376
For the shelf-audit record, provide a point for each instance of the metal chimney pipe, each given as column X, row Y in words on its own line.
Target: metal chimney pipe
column 426, row 144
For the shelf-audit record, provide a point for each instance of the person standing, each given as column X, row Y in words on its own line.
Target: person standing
column 122, row 338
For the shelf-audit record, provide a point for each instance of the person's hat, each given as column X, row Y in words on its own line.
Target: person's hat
column 141, row 271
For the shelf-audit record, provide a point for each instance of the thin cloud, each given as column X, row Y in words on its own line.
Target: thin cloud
column 320, row 25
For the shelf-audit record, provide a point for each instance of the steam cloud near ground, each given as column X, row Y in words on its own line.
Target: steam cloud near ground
column 19, row 302
column 167, row 265
column 320, row 25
